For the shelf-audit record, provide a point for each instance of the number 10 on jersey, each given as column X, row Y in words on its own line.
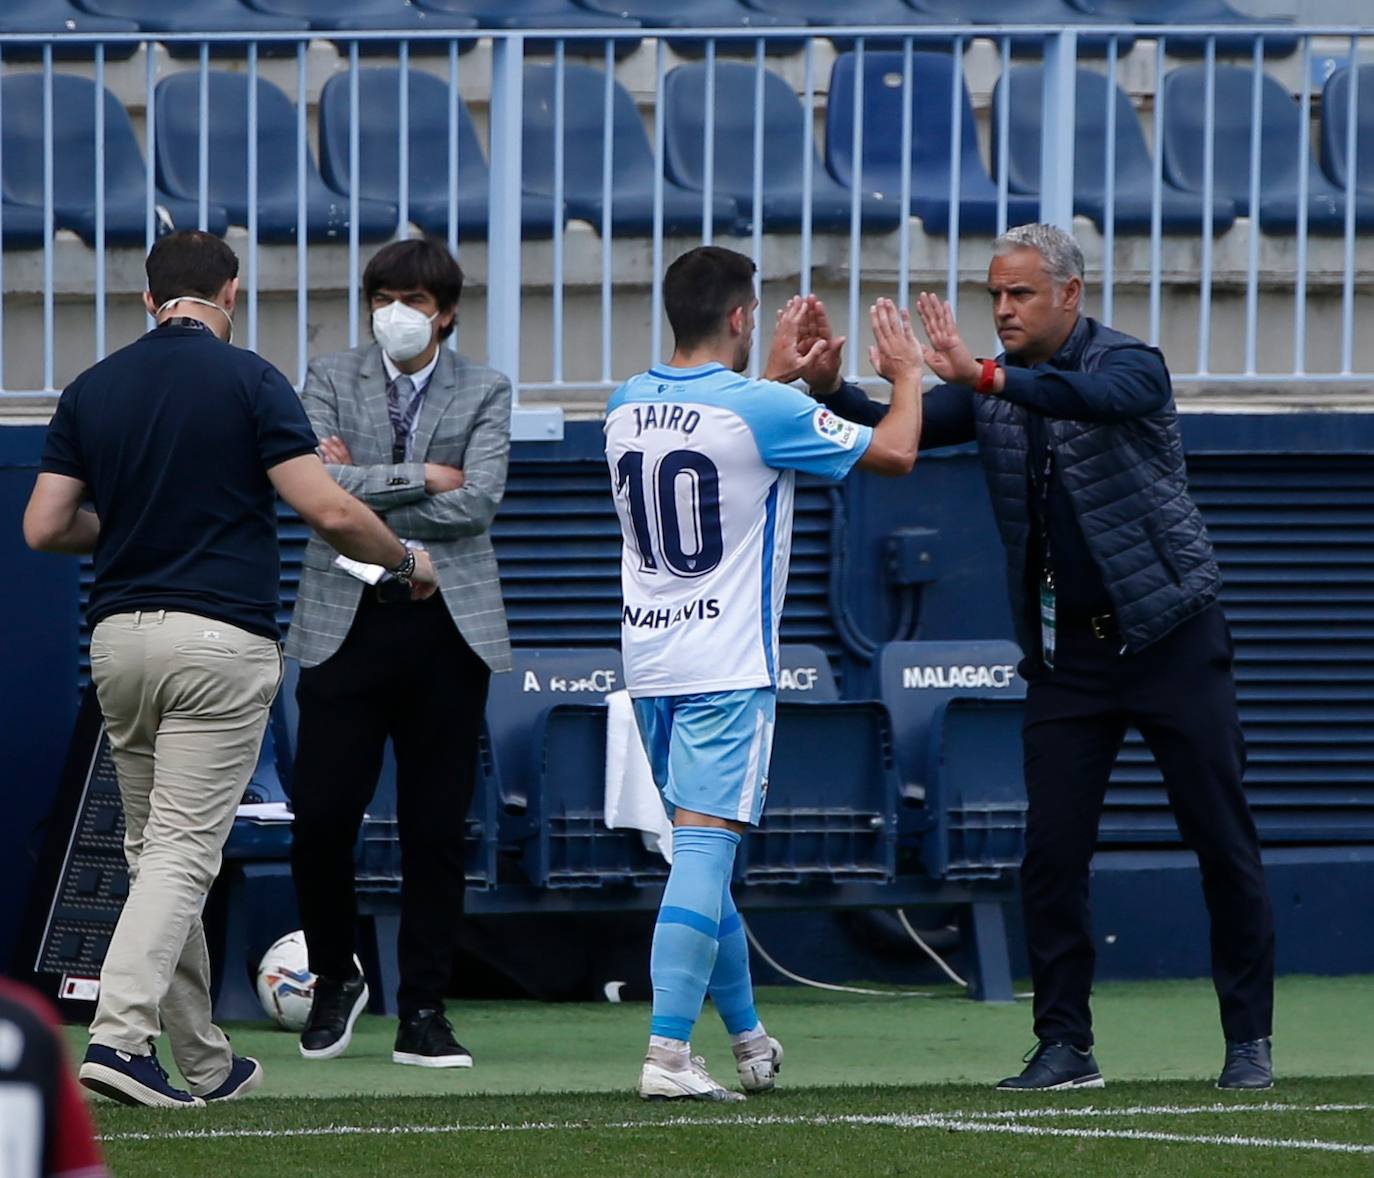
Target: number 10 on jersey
column 675, row 513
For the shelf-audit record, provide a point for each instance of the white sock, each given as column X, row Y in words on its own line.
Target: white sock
column 681, row 1046
column 745, row 1036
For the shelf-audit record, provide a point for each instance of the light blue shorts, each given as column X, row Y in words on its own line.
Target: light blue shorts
column 709, row 753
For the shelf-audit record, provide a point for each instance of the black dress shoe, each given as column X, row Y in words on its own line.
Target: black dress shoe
column 426, row 1040
column 1051, row 1066
column 333, row 1011
column 1248, row 1065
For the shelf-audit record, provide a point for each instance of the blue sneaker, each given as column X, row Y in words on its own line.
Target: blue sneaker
column 132, row 1079
column 243, row 1077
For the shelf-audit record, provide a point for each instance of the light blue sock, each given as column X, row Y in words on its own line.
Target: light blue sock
column 685, row 937
column 731, row 988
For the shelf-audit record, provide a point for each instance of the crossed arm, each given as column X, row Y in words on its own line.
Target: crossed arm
column 421, row 500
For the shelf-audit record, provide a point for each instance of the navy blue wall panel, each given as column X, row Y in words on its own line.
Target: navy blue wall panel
column 1149, row 920
column 39, row 624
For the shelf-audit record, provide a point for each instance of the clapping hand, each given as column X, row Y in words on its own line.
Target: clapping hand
column 947, row 355
column 792, row 352
column 896, row 352
column 823, row 375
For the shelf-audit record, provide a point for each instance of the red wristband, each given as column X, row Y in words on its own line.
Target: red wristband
column 986, row 377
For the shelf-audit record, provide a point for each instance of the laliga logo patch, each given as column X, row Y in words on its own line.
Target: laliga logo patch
column 835, row 429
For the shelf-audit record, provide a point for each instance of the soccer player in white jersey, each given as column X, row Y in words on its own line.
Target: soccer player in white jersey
column 702, row 461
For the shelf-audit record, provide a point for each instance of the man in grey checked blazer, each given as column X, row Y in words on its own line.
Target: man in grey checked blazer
column 422, row 436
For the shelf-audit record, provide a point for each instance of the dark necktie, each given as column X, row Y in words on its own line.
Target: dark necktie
column 402, row 404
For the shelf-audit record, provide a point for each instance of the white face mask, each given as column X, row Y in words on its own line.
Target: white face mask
column 228, row 318
column 402, row 331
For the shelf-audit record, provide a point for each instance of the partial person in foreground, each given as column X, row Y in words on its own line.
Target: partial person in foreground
column 180, row 443
column 702, row 463
column 421, row 434
column 45, row 1126
column 1113, row 587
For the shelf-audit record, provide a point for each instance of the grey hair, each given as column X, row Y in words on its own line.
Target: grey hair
column 1062, row 254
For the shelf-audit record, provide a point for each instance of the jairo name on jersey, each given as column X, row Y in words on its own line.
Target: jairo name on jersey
column 1000, row 675
column 665, row 417
column 704, row 609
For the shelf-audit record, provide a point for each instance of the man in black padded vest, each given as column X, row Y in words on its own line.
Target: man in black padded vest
column 1113, row 589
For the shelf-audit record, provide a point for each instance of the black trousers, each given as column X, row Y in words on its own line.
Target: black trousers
column 1180, row 694
column 403, row 673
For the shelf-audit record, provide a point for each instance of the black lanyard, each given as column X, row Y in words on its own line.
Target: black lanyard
column 1042, row 486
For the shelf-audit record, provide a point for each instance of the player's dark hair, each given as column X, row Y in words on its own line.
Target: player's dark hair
column 701, row 288
column 189, row 262
column 417, row 263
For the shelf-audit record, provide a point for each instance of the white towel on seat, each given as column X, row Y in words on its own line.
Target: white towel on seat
column 632, row 798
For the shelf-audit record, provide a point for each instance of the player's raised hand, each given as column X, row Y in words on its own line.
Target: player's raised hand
column 896, row 352
column 791, row 354
column 823, row 374
column 947, row 355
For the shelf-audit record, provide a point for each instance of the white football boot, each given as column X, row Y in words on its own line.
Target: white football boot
column 679, row 1075
column 758, row 1060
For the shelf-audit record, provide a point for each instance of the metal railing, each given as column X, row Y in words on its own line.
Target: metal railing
column 616, row 276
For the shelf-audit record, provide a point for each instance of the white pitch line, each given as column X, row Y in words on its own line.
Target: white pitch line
column 1160, row 1110
column 1153, row 1135
column 952, row 1122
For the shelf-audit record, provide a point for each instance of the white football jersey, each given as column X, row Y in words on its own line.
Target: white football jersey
column 701, row 464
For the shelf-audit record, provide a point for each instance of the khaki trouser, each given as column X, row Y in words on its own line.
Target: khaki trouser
column 185, row 700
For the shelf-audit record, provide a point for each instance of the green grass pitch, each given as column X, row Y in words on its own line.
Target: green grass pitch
column 871, row 1087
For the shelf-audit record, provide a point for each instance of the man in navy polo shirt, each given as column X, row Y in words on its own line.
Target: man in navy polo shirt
column 178, row 442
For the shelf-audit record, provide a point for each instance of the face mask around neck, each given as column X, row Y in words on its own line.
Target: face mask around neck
column 228, row 318
column 402, row 331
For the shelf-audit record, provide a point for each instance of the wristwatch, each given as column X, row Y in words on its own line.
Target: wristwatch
column 404, row 571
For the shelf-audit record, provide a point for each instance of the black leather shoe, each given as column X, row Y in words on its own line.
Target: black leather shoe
column 426, row 1040
column 333, row 1011
column 1051, row 1066
column 1248, row 1065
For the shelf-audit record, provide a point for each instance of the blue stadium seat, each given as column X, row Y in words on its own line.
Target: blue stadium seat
column 1192, row 12
column 207, row 16
column 364, row 15
column 831, row 812
column 721, row 14
column 1335, row 126
column 931, row 83
column 956, row 718
column 378, row 137
column 829, row 13
column 22, row 226
column 1281, row 137
column 1180, row 212
column 74, row 174
column 517, row 704
column 178, row 154
column 632, row 182
column 1026, row 12
column 783, row 151
column 547, row 726
column 78, row 30
column 542, row 14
